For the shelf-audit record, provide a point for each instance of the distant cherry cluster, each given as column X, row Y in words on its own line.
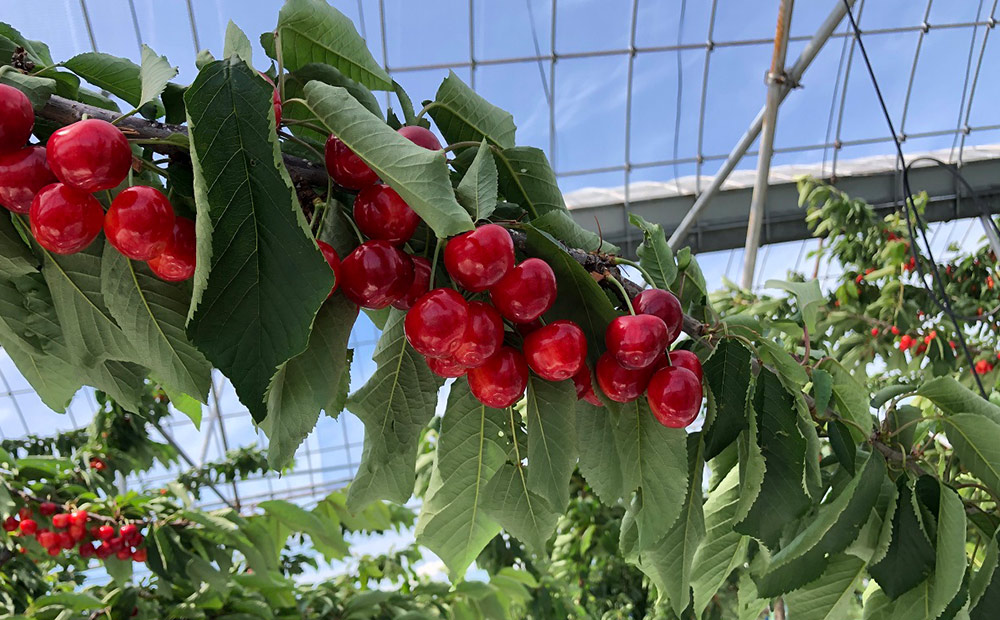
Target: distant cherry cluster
column 459, row 337
column 57, row 530
column 54, row 186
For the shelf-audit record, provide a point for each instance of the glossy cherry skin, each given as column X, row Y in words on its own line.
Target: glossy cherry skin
column 618, row 383
column 556, row 352
column 664, row 305
column 139, row 555
column 585, row 387
column 445, row 367
column 380, row 213
column 47, row 509
column 480, row 258
column 60, row 521
column 636, row 341
column 682, row 358
column 105, row 532
column 177, row 261
column 79, row 517
column 375, row 274
column 16, row 119
column 527, row 292
column 29, row 527
column 420, row 136
column 674, row 395
column 435, row 324
column 65, row 220
column 482, row 337
column 419, row 285
column 22, row 174
column 139, row 222
column 501, row 381
column 332, row 259
column 90, row 155
column 345, row 168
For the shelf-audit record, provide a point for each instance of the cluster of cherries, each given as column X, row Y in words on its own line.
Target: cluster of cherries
column 55, row 184
column 458, row 337
column 56, row 531
column 919, row 345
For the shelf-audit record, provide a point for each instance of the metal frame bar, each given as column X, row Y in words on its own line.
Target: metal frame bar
column 794, row 75
column 775, row 81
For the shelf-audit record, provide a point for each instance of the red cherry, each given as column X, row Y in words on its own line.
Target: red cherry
column 60, row 521
column 89, row 155
column 674, row 395
column 22, row 174
column 123, row 553
column 139, row 222
column 129, row 531
column 48, row 539
column 380, row 213
column 97, row 464
column 332, row 259
column 29, row 527
column 435, row 325
column 894, row 330
column 16, row 119
column 54, row 550
column 618, row 383
column 116, row 543
column 24, row 513
column 664, row 305
column 105, row 532
column 683, row 358
column 66, row 540
column 482, row 336
column 419, row 285
column 526, row 328
column 874, row 331
column 556, row 352
column 79, row 517
column 420, row 136
column 275, row 99
column 375, row 274
column 585, row 387
column 136, row 540
column 345, row 168
column 77, row 532
column 103, row 551
column 478, row 259
column 139, row 555
column 527, row 292
column 636, row 341
column 65, row 220
column 86, row 550
column 10, row 524
column 177, row 261
column 445, row 367
column 47, row 508
column 501, row 381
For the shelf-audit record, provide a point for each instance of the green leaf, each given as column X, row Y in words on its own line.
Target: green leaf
column 237, row 44
column 835, row 524
column 562, row 226
column 782, row 496
column 119, row 570
column 507, row 498
column 296, row 82
column 154, row 73
column 92, row 334
column 669, row 562
column 953, row 397
column 830, row 596
column 38, row 89
column 822, row 389
column 328, row 539
column 722, row 548
column 453, row 522
column 842, row 444
column 463, row 115
column 151, row 313
column 654, row 253
column 527, row 179
column 750, row 605
column 551, row 439
column 395, row 405
column 580, row 298
column 477, row 191
column 808, row 297
column 16, row 257
column 600, row 462
column 312, row 31
column 910, row 556
column 888, row 393
column 309, row 382
column 850, row 397
column 984, row 589
column 655, row 464
column 118, row 76
column 419, row 176
column 259, row 279
column 976, row 440
column 728, row 375
column 76, row 601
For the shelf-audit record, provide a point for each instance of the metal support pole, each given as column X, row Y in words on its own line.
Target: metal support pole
column 794, row 75
column 775, row 82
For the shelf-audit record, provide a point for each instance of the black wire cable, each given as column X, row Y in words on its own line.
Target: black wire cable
column 912, row 214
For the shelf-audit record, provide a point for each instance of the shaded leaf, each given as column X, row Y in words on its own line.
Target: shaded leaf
column 527, row 179
column 976, row 440
column 910, row 556
column 728, row 375
column 37, row 89
column 549, row 413
column 477, row 191
column 600, row 462
column 828, row 597
column 562, row 226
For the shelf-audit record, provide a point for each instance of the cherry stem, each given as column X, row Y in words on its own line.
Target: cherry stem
column 326, row 207
column 305, row 124
column 642, row 271
column 353, row 225
column 434, row 261
column 460, row 145
column 288, row 136
column 424, row 110
column 628, row 302
column 131, row 112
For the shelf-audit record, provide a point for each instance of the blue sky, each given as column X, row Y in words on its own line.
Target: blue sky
column 590, row 104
